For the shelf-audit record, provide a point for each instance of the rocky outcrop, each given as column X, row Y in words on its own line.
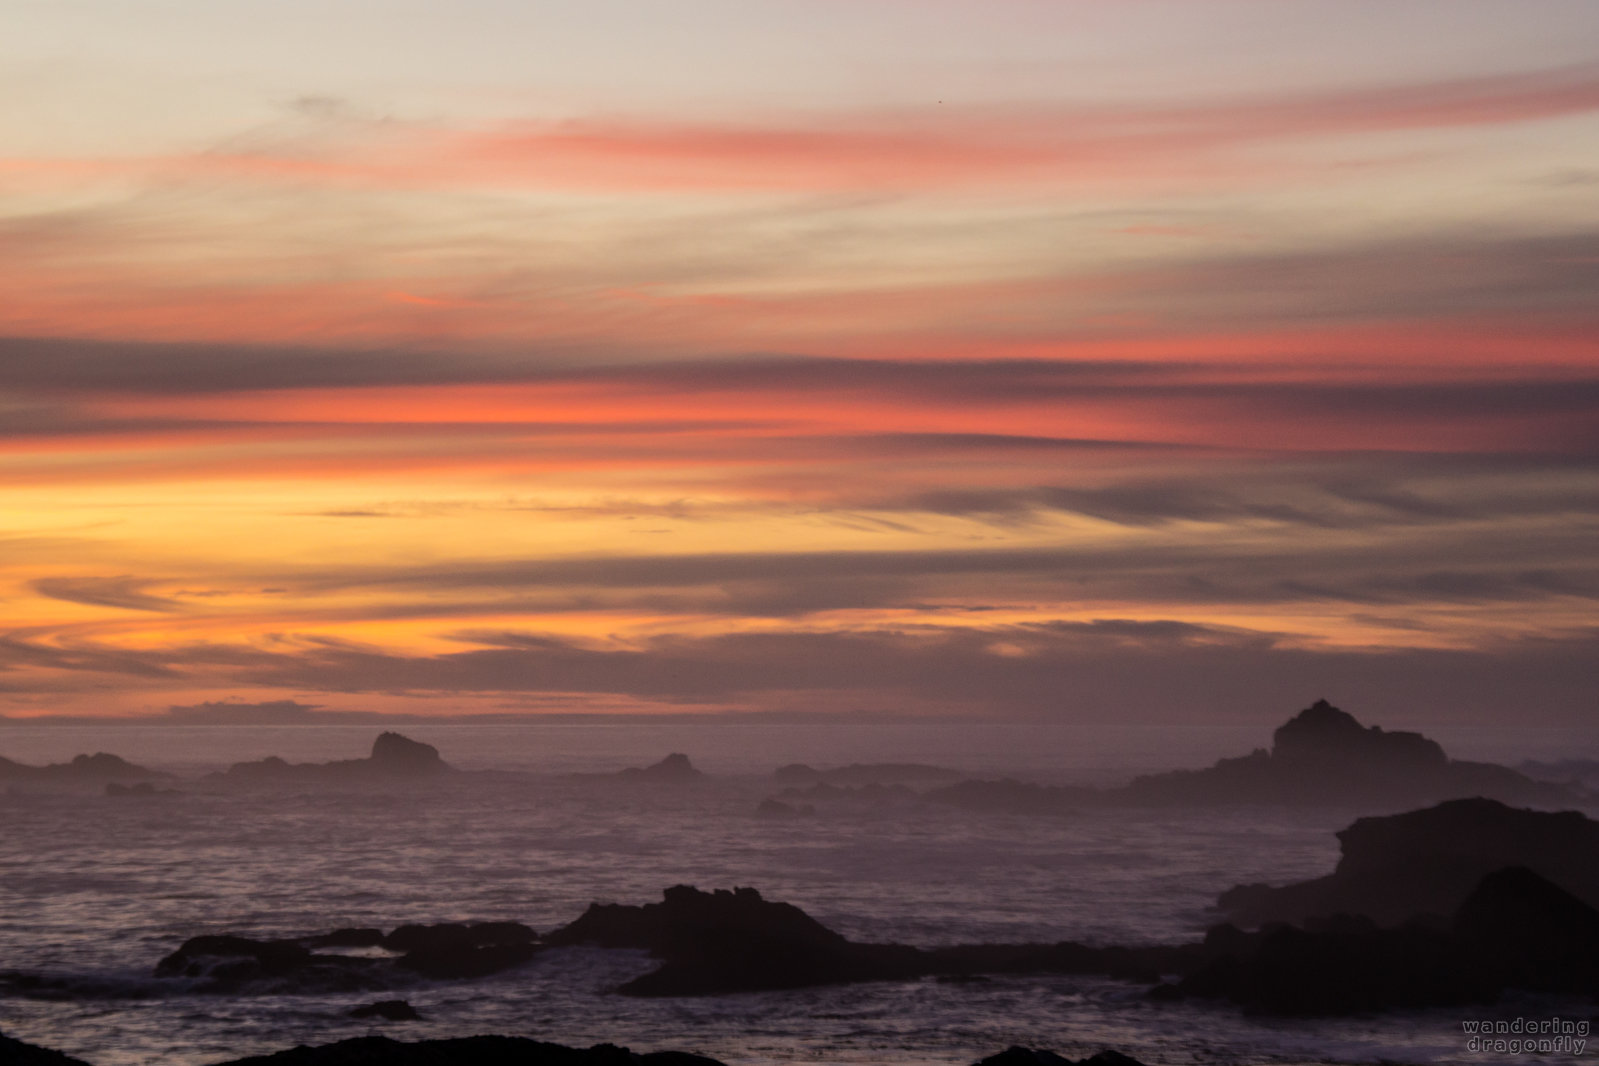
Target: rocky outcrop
column 1024, row 1056
column 475, row 1050
column 451, row 951
column 722, row 941
column 394, row 757
column 1426, row 862
column 1324, row 756
column 1515, row 930
column 675, row 768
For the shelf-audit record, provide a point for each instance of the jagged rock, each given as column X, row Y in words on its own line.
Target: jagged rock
column 673, row 768
column 476, row 1050
column 716, row 942
column 393, row 757
column 392, row 1010
column 1427, row 861
column 16, row 1053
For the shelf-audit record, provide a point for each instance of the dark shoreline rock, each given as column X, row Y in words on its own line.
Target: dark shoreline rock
column 16, row 1053
column 1398, row 866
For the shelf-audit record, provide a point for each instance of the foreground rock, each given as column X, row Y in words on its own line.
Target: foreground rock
column 468, row 1051
column 1515, row 930
column 1428, row 861
column 16, row 1053
column 394, row 757
column 716, row 942
column 451, row 951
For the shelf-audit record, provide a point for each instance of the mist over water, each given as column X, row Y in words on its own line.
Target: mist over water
column 98, row 888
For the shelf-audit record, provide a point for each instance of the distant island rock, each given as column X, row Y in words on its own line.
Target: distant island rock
column 1426, row 862
column 393, row 757
column 1321, row 756
column 1324, row 756
column 675, row 768
column 97, row 769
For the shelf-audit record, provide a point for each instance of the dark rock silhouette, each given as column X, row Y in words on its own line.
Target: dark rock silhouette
column 1324, row 756
column 450, row 951
column 1515, row 930
column 393, row 757
column 468, row 1051
column 1023, row 1056
column 1427, row 861
column 97, row 769
column 16, row 1053
column 392, row 1010
column 886, row 773
column 716, row 942
column 673, row 768
column 1320, row 756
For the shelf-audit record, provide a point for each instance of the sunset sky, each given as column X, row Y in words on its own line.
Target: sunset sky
column 1141, row 360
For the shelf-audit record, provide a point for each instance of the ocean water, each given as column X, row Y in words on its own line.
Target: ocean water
column 97, row 889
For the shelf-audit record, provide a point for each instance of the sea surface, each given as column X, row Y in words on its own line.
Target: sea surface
column 95, row 889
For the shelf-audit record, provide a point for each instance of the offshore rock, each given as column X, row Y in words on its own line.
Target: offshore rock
column 394, row 757
column 1324, row 756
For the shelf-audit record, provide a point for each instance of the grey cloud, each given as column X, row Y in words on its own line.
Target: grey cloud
column 124, row 592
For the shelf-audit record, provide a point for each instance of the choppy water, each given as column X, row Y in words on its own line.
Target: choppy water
column 102, row 887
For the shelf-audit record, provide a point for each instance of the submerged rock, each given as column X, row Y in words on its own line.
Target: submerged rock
column 451, row 951
column 1426, row 862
